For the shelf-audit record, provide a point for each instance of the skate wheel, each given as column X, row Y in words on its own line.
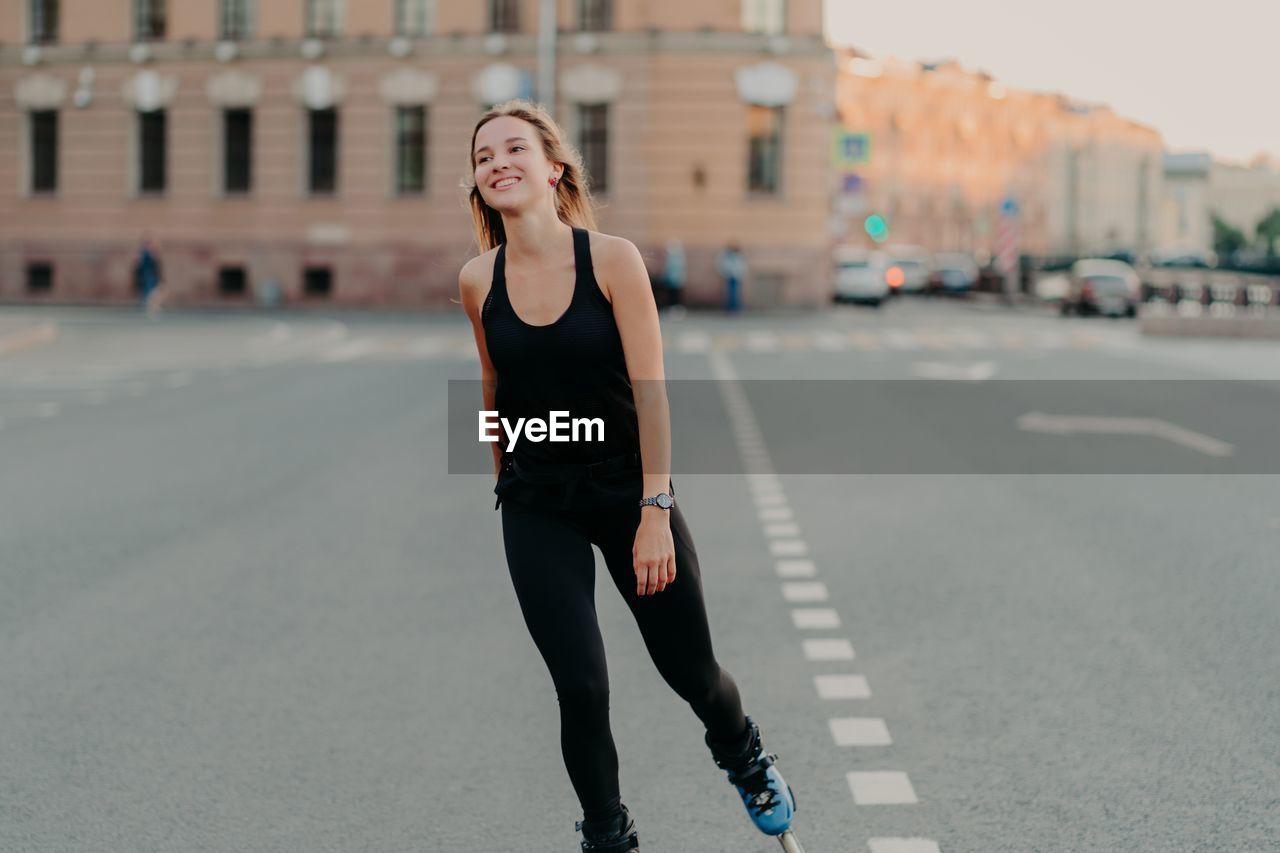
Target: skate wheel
column 790, row 843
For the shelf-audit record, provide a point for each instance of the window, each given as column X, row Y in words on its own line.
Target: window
column 323, row 151
column 237, row 150
column 324, row 19
column 235, row 20
column 593, row 142
column 317, row 281
column 595, row 15
column 232, row 281
column 148, row 20
column 44, row 151
column 764, row 149
column 39, row 277
column 415, row 17
column 44, row 21
column 504, row 16
column 411, row 150
column 764, row 17
column 151, row 151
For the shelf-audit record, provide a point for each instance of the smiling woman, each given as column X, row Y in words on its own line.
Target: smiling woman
column 565, row 321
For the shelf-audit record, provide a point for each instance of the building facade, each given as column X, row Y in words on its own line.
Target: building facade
column 320, row 146
column 946, row 146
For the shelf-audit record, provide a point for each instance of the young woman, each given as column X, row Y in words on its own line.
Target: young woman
column 564, row 319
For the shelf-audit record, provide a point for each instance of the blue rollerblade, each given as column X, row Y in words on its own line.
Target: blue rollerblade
column 768, row 798
column 612, row 835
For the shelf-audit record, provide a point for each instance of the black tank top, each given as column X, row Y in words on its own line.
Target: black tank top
column 575, row 364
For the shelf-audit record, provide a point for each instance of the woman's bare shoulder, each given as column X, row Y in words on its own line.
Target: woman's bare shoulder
column 477, row 273
column 609, row 247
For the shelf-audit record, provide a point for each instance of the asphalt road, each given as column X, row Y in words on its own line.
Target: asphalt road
column 245, row 607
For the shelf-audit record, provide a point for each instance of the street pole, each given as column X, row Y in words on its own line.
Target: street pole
column 547, row 55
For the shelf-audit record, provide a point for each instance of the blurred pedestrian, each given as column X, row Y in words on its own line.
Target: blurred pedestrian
column 732, row 266
column 149, row 278
column 673, row 277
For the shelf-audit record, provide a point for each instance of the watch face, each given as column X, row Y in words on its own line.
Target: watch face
column 665, row 501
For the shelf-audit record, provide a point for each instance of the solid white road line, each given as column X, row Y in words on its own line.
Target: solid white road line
column 881, row 788
column 796, row 568
column 842, row 686
column 823, row 650
column 903, row 845
column 804, row 592
column 860, row 731
column 815, row 618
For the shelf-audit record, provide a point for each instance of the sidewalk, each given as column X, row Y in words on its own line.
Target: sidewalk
column 18, row 334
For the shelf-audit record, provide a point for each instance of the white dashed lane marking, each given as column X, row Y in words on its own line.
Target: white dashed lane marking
column 804, row 592
column 842, row 687
column 788, row 547
column 796, row 568
column 881, row 788
column 783, row 536
column 824, row 650
column 815, row 618
column 860, row 731
column 903, row 845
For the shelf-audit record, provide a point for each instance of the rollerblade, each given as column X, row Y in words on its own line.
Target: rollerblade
column 768, row 798
column 613, row 835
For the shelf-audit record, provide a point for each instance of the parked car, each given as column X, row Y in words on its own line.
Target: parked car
column 1102, row 286
column 909, row 268
column 953, row 273
column 860, row 275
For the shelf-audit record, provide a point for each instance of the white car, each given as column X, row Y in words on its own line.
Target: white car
column 1102, row 286
column 909, row 268
column 860, row 275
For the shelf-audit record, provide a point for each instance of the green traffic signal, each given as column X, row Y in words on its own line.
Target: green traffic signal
column 877, row 229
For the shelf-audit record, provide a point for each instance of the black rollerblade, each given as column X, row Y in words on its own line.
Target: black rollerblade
column 612, row 835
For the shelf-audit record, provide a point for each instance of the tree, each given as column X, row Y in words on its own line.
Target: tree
column 1227, row 239
column 1268, row 229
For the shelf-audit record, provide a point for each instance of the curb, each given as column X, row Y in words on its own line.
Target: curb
column 33, row 336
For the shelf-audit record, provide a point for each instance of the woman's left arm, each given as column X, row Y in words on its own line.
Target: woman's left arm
column 621, row 269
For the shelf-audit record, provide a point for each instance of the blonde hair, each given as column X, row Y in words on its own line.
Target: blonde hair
column 573, row 200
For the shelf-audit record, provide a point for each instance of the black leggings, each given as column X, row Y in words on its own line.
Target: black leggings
column 553, row 569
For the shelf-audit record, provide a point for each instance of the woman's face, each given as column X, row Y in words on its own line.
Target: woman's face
column 511, row 170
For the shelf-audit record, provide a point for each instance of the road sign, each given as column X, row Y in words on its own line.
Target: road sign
column 1005, row 247
column 849, row 150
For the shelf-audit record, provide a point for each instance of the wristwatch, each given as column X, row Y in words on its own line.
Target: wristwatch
column 661, row 499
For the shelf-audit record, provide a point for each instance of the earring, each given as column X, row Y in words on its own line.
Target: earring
column 552, row 181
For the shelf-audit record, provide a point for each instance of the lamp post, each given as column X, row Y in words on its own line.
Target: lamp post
column 547, row 55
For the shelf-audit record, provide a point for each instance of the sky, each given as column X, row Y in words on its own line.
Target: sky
column 1200, row 73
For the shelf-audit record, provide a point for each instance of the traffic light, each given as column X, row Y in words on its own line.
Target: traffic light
column 877, row 229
